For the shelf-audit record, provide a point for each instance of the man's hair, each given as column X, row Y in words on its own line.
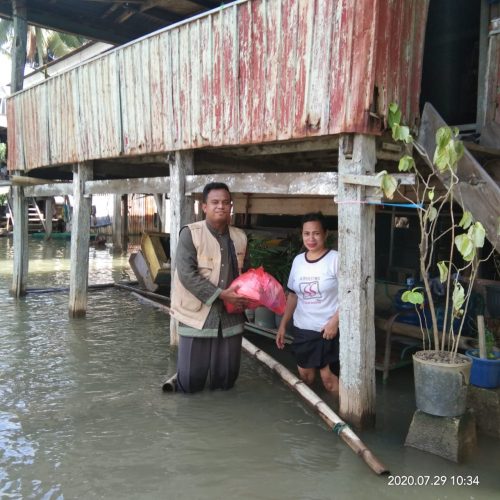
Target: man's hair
column 315, row 217
column 211, row 186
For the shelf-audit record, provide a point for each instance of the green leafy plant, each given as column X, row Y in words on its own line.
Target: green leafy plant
column 467, row 236
column 274, row 255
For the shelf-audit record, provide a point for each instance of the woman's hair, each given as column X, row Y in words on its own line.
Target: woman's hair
column 211, row 186
column 315, row 217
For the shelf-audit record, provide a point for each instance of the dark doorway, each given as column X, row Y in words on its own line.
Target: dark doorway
column 451, row 59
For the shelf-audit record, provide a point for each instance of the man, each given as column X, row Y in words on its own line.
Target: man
column 209, row 257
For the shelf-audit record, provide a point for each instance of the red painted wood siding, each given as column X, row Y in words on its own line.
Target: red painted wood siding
column 251, row 72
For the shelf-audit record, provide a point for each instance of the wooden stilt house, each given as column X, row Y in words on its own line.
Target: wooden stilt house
column 282, row 99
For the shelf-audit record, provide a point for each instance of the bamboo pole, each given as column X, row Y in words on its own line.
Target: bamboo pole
column 335, row 423
column 98, row 286
column 481, row 336
column 170, row 384
column 152, row 295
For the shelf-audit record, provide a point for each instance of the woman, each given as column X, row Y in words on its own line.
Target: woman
column 313, row 302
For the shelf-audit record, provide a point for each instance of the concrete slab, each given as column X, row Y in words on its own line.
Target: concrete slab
column 453, row 438
column 486, row 406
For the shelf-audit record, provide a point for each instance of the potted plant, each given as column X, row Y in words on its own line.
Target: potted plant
column 276, row 257
column 485, row 371
column 441, row 373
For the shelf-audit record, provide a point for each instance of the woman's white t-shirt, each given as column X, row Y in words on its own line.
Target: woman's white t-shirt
column 316, row 285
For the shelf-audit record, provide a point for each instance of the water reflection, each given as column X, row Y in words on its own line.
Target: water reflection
column 82, row 414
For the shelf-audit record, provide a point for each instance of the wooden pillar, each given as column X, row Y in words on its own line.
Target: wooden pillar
column 124, row 231
column 356, row 220
column 18, row 52
column 20, row 241
column 161, row 211
column 117, row 224
column 49, row 207
column 80, row 240
column 491, row 83
column 181, row 212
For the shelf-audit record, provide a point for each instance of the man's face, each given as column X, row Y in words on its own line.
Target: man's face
column 217, row 209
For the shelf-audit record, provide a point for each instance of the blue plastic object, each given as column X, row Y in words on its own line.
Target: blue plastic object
column 484, row 372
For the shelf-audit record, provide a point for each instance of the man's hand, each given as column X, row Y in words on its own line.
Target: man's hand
column 230, row 295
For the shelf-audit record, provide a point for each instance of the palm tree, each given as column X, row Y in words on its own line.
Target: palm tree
column 43, row 45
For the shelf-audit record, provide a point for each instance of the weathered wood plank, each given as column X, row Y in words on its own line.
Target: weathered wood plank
column 476, row 192
column 117, row 223
column 356, row 287
column 20, row 243
column 304, row 43
column 157, row 85
column 317, row 183
column 273, row 38
column 184, row 109
column 282, row 205
column 80, row 239
column 257, row 70
column 230, row 88
column 195, row 88
column 245, row 73
column 320, row 74
column 217, row 79
column 286, row 77
column 169, row 129
column 181, row 212
column 147, row 185
column 206, row 77
column 176, row 125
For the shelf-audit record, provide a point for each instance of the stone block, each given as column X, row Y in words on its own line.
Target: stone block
column 486, row 406
column 453, row 438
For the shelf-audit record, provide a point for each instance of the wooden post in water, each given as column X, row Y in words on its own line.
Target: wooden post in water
column 117, row 224
column 357, row 155
column 124, row 232
column 181, row 213
column 80, row 239
column 20, row 241
column 48, row 217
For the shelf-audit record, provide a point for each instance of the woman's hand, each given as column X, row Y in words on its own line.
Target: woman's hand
column 280, row 337
column 331, row 329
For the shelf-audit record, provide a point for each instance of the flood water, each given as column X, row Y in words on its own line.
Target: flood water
column 82, row 414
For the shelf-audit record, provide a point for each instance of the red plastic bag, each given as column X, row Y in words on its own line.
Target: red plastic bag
column 261, row 288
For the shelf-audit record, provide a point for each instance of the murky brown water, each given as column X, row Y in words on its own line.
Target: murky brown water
column 82, row 414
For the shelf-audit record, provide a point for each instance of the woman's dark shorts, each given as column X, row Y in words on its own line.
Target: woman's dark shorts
column 311, row 350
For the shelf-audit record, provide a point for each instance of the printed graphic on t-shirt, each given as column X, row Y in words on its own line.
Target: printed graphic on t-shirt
column 310, row 290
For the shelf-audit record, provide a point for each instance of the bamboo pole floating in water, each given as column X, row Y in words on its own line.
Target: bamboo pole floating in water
column 66, row 289
column 170, row 384
column 151, row 302
column 152, row 295
column 324, row 411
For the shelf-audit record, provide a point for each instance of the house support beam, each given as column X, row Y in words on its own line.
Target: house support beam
column 357, row 155
column 49, row 208
column 181, row 212
column 124, row 242
column 18, row 52
column 80, row 239
column 117, row 224
column 20, row 242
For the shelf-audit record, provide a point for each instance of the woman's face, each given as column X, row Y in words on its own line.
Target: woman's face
column 313, row 236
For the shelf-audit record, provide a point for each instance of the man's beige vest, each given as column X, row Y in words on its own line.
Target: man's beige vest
column 185, row 307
